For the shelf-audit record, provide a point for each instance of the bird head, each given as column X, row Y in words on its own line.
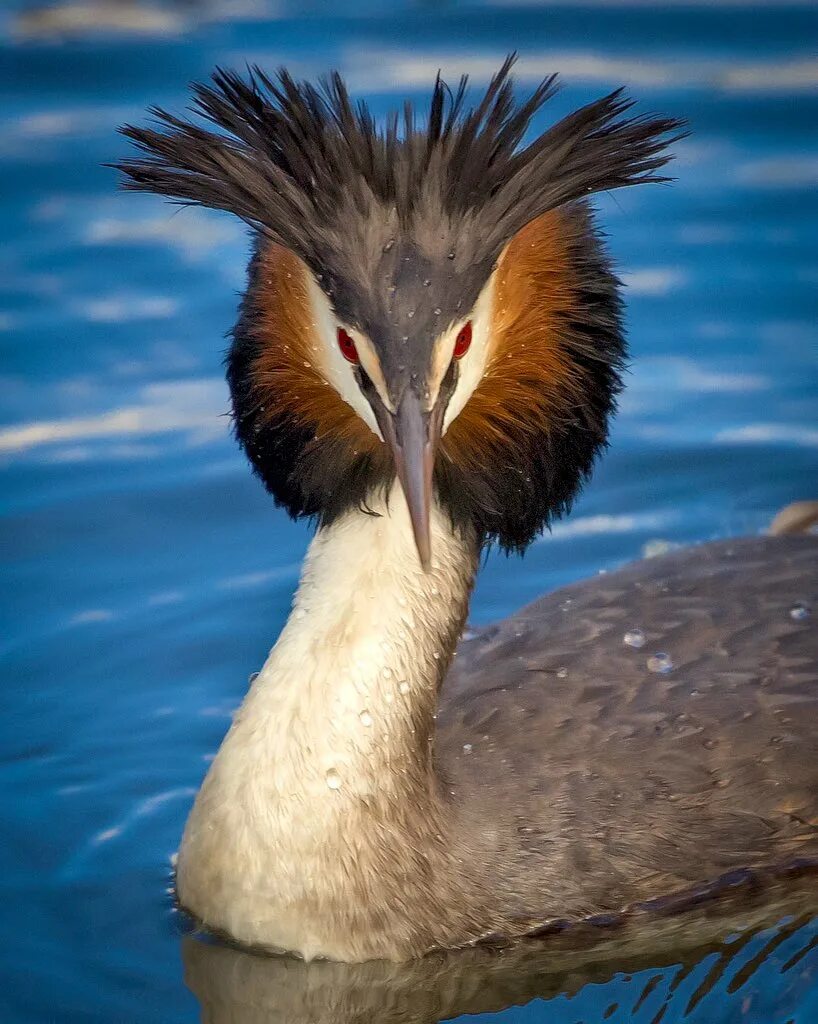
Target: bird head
column 428, row 302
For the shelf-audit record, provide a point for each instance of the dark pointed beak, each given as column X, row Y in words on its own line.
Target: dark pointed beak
column 413, row 434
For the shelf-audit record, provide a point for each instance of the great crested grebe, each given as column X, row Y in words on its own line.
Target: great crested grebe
column 426, row 358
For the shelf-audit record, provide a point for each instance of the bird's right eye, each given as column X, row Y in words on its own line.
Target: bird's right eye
column 347, row 346
column 463, row 341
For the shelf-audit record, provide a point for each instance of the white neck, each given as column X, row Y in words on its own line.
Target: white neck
column 335, row 730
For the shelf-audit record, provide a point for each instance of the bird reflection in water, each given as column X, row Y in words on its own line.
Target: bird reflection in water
column 752, row 960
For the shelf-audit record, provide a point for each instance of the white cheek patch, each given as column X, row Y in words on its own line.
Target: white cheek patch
column 337, row 370
column 340, row 373
column 473, row 364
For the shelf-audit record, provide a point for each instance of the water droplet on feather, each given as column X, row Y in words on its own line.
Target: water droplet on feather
column 661, row 663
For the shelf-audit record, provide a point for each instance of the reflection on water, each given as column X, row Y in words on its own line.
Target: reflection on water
column 756, row 973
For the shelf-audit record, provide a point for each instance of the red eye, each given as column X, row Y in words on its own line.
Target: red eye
column 347, row 346
column 463, row 342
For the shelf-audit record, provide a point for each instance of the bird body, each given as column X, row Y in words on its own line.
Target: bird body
column 357, row 810
column 425, row 362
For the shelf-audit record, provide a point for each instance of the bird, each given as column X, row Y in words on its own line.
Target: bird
column 426, row 360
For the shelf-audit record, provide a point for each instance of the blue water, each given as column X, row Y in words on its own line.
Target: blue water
column 146, row 573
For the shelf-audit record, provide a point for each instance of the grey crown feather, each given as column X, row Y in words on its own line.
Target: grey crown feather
column 287, row 156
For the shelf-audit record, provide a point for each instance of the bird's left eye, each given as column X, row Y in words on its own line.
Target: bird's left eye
column 347, row 346
column 463, row 340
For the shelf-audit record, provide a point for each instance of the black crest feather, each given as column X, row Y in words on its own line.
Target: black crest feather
column 290, row 158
